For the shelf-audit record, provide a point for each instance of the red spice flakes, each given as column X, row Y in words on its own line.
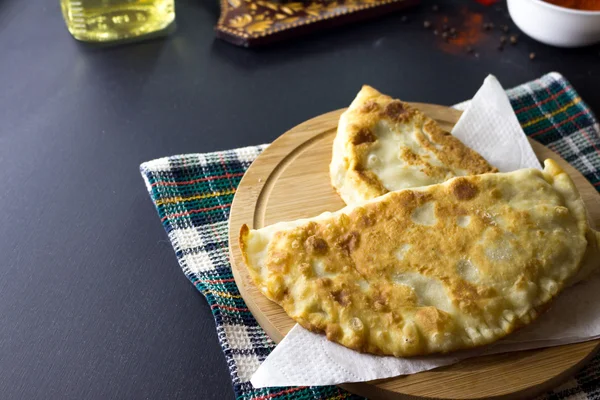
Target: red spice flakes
column 487, row 2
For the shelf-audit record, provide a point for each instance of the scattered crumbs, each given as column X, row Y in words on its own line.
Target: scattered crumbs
column 465, row 34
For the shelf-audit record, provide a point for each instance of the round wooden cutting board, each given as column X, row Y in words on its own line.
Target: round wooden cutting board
column 290, row 180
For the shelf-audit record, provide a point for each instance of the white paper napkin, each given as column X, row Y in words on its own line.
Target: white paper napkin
column 490, row 127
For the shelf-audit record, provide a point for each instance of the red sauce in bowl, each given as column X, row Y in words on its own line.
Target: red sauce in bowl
column 585, row 5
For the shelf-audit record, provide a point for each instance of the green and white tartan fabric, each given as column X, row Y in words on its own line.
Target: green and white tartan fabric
column 193, row 193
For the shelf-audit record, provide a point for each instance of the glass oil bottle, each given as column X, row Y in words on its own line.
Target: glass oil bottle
column 117, row 20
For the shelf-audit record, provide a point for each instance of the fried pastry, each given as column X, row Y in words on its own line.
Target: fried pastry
column 384, row 145
column 431, row 269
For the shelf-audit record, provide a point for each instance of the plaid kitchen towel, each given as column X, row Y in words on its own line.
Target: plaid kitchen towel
column 193, row 193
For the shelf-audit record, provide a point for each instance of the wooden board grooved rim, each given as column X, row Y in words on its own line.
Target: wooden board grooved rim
column 290, row 180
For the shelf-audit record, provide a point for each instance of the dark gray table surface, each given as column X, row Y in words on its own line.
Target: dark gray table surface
column 92, row 301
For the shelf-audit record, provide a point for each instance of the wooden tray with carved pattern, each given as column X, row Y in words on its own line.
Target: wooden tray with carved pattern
column 259, row 22
column 290, row 180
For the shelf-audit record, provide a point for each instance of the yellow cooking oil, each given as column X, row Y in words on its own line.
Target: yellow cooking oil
column 117, row 20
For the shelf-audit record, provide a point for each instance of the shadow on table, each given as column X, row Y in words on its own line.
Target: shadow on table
column 327, row 40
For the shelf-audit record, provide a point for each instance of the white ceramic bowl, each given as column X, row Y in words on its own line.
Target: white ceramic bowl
column 554, row 25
